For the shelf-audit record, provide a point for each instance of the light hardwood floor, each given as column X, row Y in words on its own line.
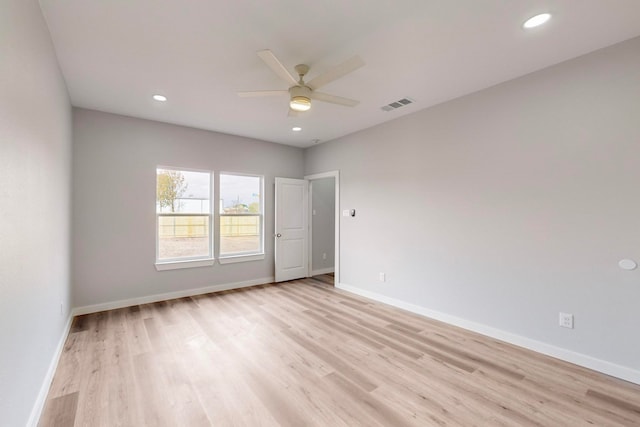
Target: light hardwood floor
column 302, row 353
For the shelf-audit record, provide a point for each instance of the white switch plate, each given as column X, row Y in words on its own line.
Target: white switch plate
column 566, row 320
column 382, row 277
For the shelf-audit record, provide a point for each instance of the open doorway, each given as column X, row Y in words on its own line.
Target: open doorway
column 323, row 227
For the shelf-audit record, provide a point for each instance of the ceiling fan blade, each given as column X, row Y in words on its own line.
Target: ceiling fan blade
column 325, row 97
column 276, row 66
column 336, row 72
column 262, row 93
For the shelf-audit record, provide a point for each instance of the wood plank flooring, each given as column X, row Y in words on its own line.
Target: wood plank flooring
column 303, row 353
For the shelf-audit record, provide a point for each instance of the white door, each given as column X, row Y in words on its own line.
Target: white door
column 291, row 230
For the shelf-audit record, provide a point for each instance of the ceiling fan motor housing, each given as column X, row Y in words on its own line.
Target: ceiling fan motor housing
column 303, row 91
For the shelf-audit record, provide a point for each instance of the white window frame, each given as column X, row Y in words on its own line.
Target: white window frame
column 241, row 256
column 187, row 262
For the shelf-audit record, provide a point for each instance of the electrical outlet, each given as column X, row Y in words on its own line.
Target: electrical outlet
column 566, row 320
column 382, row 277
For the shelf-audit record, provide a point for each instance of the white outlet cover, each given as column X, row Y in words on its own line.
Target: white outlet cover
column 627, row 264
column 566, row 320
column 345, row 212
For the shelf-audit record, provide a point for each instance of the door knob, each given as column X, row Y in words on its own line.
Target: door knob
column 278, row 235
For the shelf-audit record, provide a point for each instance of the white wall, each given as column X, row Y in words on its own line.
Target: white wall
column 115, row 159
column 323, row 205
column 35, row 183
column 507, row 206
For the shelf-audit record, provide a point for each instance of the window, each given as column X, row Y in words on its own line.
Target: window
column 184, row 217
column 241, row 216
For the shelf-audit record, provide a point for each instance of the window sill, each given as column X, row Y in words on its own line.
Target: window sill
column 175, row 265
column 240, row 258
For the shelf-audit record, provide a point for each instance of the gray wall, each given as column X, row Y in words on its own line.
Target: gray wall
column 323, row 223
column 507, row 206
column 115, row 159
column 35, row 183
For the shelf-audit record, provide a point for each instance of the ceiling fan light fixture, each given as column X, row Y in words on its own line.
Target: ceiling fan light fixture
column 300, row 103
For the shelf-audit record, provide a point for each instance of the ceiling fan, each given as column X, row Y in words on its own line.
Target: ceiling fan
column 300, row 92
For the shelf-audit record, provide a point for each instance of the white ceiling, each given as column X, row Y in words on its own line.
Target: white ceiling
column 116, row 54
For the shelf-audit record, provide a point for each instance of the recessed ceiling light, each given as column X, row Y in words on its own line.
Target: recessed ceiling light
column 536, row 20
column 160, row 98
column 296, row 128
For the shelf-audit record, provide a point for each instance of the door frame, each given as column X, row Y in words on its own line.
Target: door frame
column 336, row 257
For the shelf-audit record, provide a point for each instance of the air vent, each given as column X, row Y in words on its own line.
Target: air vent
column 397, row 104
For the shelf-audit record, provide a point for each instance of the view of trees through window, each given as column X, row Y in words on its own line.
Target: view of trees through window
column 183, row 209
column 184, row 214
column 240, row 214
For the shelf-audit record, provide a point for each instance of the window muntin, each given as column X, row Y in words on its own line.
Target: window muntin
column 183, row 215
column 241, row 215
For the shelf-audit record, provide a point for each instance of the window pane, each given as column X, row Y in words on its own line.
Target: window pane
column 183, row 237
column 183, row 205
column 240, row 214
column 183, row 191
column 240, row 233
column 239, row 194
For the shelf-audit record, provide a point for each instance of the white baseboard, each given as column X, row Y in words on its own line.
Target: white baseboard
column 322, row 271
column 87, row 309
column 38, row 406
column 580, row 359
